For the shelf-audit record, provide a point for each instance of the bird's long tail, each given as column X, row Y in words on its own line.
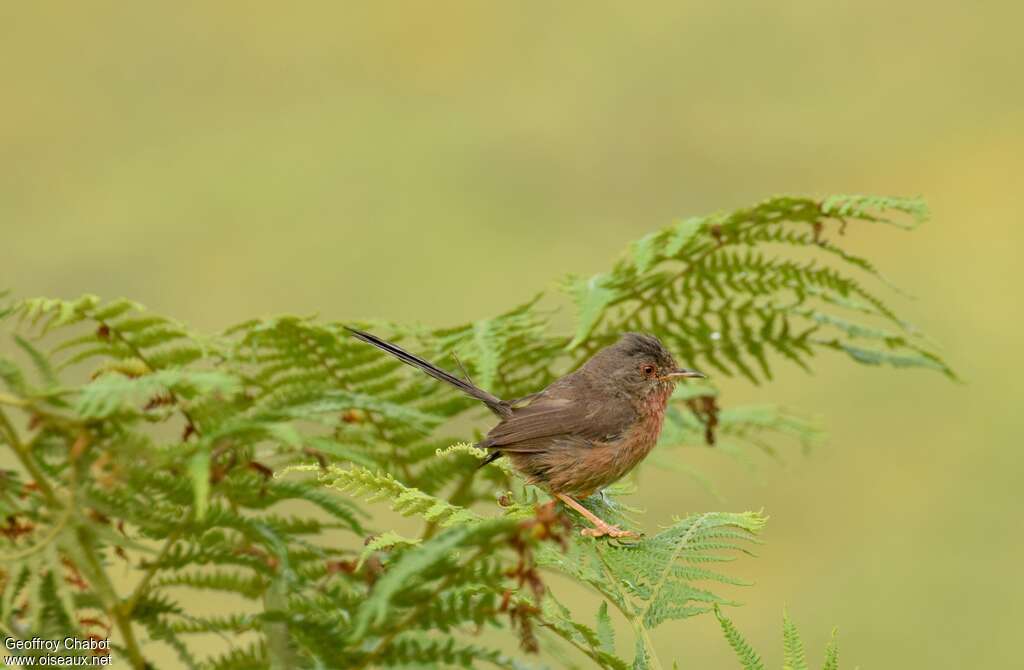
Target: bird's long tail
column 495, row 404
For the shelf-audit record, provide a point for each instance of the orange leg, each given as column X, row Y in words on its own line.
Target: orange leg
column 600, row 528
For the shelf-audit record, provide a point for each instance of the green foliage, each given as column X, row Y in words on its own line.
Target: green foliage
column 792, row 647
column 749, row 659
column 710, row 289
column 251, row 462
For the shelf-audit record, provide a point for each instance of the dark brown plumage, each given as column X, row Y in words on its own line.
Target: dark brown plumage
column 586, row 429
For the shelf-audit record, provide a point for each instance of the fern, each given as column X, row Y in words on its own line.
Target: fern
column 748, row 658
column 792, row 647
column 404, row 500
column 707, row 287
column 241, row 462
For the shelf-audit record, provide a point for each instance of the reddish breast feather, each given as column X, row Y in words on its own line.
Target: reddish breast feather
column 652, row 416
column 642, row 437
column 592, row 469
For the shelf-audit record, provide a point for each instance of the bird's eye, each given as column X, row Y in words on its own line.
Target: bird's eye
column 647, row 369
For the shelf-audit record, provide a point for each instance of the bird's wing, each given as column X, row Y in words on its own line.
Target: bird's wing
column 553, row 414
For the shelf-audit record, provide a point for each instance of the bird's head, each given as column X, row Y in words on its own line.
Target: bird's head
column 639, row 365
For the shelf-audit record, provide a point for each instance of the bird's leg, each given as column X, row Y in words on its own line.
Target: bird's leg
column 601, row 528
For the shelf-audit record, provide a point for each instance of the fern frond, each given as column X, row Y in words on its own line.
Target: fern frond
column 360, row 482
column 232, row 623
column 39, row 360
column 792, row 646
column 251, row 657
column 666, row 593
column 605, row 632
column 872, row 208
column 706, row 288
column 559, row 620
column 250, row 587
column 832, row 653
column 386, row 540
column 473, row 604
column 414, row 562
column 419, row 650
column 748, row 658
column 12, row 377
column 162, row 632
column 122, row 330
column 111, row 394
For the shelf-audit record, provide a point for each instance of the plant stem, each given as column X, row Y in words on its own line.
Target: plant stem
column 279, row 646
column 25, row 457
column 113, row 604
column 645, row 635
column 140, row 589
column 635, row 620
column 7, row 399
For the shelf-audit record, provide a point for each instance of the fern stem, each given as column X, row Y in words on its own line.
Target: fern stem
column 113, row 604
column 645, row 635
column 279, row 647
column 143, row 586
column 7, row 399
column 637, row 622
column 25, row 457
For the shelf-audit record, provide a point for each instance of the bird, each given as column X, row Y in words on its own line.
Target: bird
column 583, row 431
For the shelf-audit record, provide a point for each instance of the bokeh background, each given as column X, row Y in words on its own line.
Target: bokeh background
column 438, row 162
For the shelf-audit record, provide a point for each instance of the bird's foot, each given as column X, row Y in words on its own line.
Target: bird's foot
column 600, row 530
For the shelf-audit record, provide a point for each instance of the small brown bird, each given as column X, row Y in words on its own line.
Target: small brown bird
column 585, row 430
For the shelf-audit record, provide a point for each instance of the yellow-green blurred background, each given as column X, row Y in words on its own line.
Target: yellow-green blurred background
column 438, row 162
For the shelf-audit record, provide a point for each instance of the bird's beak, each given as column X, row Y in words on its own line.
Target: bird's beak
column 684, row 373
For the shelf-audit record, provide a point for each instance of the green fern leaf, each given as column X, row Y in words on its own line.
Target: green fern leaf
column 592, row 297
column 792, row 646
column 918, row 359
column 867, row 208
column 414, row 562
column 386, row 540
column 12, row 377
column 419, row 650
column 407, row 501
column 112, row 393
column 216, row 580
column 605, row 632
column 41, row 362
column 832, row 653
column 748, row 658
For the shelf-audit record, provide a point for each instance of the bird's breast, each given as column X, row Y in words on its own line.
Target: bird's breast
column 581, row 467
column 643, row 436
column 608, row 462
